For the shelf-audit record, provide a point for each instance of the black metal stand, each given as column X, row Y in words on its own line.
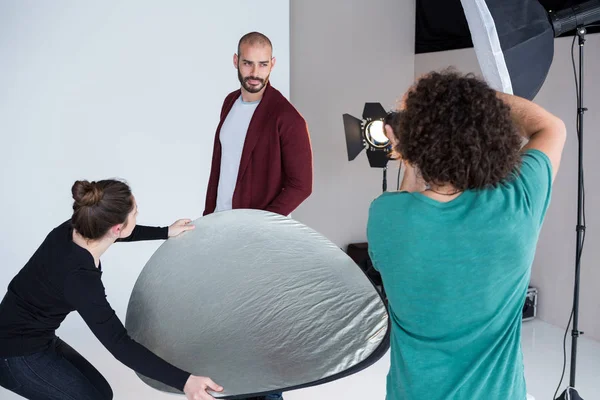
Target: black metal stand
column 570, row 393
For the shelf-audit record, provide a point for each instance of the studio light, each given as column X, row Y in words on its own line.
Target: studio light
column 368, row 134
column 574, row 17
column 375, row 135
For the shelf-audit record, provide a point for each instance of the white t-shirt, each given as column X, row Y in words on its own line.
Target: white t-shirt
column 232, row 137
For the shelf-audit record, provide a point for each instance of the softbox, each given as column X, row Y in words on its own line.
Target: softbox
column 514, row 43
column 258, row 302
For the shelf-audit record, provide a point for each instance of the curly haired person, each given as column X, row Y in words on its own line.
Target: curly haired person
column 455, row 245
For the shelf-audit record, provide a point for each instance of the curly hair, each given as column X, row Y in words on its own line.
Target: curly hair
column 455, row 130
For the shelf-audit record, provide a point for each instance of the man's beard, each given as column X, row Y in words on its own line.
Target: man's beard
column 248, row 87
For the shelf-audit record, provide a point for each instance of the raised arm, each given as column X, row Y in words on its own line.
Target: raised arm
column 544, row 131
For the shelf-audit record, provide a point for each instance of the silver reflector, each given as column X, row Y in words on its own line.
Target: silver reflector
column 258, row 302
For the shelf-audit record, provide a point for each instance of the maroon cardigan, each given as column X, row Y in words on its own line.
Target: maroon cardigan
column 276, row 171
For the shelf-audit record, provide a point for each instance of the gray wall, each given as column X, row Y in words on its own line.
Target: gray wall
column 553, row 270
column 344, row 54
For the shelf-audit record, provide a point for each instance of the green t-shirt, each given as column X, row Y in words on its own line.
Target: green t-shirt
column 456, row 275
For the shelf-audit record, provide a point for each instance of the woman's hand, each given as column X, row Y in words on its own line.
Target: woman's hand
column 180, row 226
column 196, row 388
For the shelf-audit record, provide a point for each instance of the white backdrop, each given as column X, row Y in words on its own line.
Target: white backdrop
column 127, row 89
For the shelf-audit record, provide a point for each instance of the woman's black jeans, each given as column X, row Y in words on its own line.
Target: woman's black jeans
column 58, row 373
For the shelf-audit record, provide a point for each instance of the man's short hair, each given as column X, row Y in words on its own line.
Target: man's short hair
column 253, row 39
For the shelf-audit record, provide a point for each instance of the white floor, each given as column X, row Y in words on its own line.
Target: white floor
column 542, row 348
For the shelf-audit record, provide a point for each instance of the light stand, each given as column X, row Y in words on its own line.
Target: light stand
column 570, row 393
column 577, row 17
